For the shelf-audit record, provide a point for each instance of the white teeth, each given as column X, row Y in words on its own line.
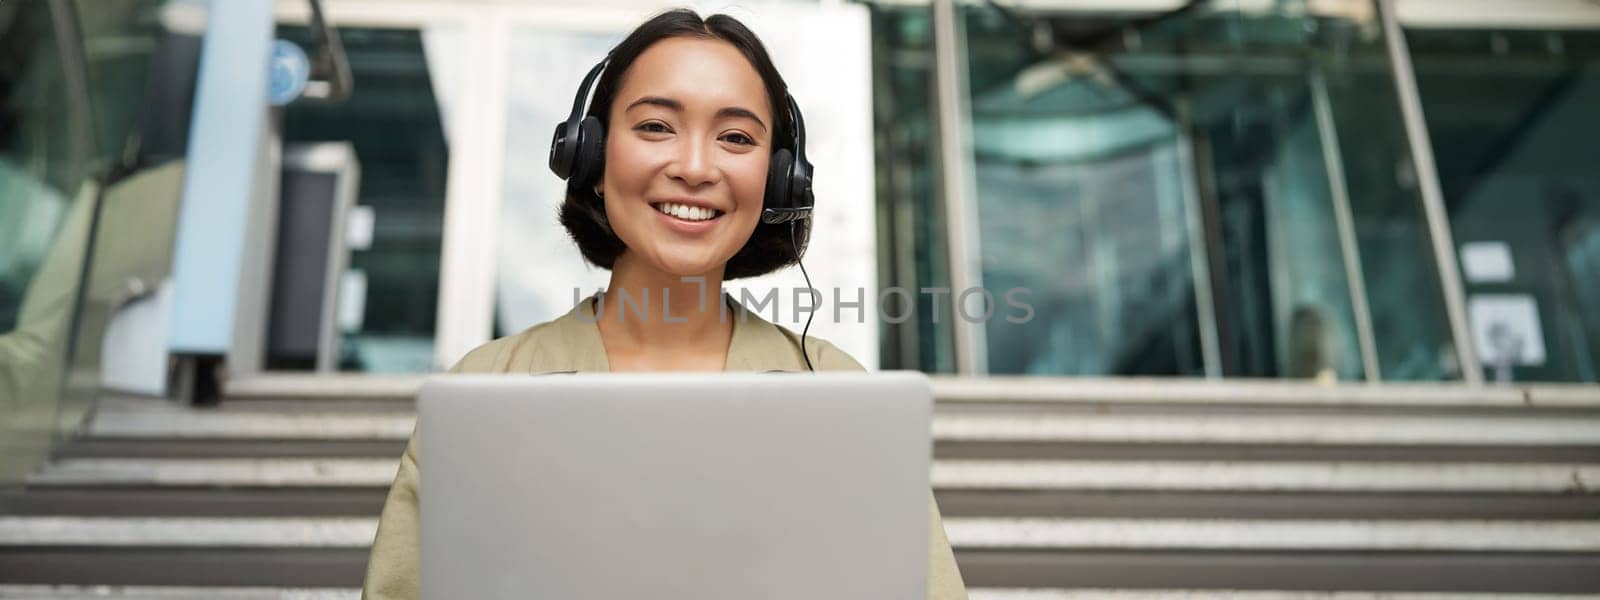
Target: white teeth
column 686, row 212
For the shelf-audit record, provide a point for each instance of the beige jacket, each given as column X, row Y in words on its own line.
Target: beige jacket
column 571, row 343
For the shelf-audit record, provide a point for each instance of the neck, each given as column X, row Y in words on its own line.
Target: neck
column 644, row 306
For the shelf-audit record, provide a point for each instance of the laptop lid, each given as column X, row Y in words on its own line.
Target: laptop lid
column 675, row 486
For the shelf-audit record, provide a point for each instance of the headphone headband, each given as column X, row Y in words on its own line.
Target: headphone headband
column 583, row 90
column 799, row 128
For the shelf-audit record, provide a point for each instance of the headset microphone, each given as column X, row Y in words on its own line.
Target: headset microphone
column 788, row 196
column 778, row 216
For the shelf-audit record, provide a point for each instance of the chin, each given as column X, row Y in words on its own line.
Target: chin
column 688, row 264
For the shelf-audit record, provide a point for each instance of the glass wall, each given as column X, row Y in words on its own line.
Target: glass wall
column 45, row 203
column 94, row 106
column 1518, row 167
column 1222, row 189
column 395, row 120
column 910, row 225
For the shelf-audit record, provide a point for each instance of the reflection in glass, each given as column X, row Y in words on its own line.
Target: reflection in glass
column 1517, row 166
column 1192, row 192
column 94, row 102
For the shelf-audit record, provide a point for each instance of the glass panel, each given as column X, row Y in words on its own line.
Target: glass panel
column 1517, row 164
column 142, row 57
column 1152, row 176
column 1408, row 314
column 44, row 227
column 911, row 228
column 92, row 132
column 394, row 119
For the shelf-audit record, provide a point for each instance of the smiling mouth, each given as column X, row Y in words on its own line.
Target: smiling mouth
column 686, row 212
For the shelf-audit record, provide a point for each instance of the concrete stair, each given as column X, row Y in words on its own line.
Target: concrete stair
column 1051, row 489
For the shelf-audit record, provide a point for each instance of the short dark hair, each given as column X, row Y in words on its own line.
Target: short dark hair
column 584, row 214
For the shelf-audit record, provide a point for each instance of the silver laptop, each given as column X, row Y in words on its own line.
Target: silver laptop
column 769, row 486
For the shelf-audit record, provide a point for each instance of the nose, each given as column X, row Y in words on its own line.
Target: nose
column 694, row 165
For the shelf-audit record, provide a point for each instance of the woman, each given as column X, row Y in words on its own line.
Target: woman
column 692, row 114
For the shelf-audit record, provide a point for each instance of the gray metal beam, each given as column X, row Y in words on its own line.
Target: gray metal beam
column 957, row 183
column 1344, row 220
column 1433, row 208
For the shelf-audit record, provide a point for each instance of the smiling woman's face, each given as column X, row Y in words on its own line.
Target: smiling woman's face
column 687, row 147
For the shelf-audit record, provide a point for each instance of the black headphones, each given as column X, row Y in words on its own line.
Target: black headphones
column 577, row 154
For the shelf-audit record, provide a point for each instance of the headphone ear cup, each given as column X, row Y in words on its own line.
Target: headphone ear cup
column 562, row 149
column 800, row 185
column 779, row 180
column 589, row 157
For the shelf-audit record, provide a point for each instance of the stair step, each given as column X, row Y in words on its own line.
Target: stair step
column 1266, row 476
column 1039, row 390
column 143, row 447
column 368, row 501
column 1444, row 573
column 1374, row 535
column 101, row 447
column 185, row 566
column 43, row 592
column 1250, row 428
column 1036, row 390
column 1194, row 594
column 326, row 404
column 1535, row 430
column 1485, row 573
column 1256, row 505
column 220, row 472
column 946, row 474
column 202, row 502
column 315, row 387
column 209, row 532
column 112, row 592
column 964, row 532
column 1188, row 570
column 209, row 448
column 202, row 424
column 1436, row 453
column 1307, row 572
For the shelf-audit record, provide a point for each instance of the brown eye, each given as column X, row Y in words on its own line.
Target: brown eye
column 740, row 139
column 653, row 127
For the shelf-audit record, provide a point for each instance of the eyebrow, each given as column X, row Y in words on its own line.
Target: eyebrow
column 725, row 112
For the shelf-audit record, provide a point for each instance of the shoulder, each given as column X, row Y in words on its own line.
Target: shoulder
column 827, row 357
column 568, row 343
column 773, row 347
column 498, row 355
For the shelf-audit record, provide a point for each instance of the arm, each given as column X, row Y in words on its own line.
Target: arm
column 944, row 577
column 392, row 568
